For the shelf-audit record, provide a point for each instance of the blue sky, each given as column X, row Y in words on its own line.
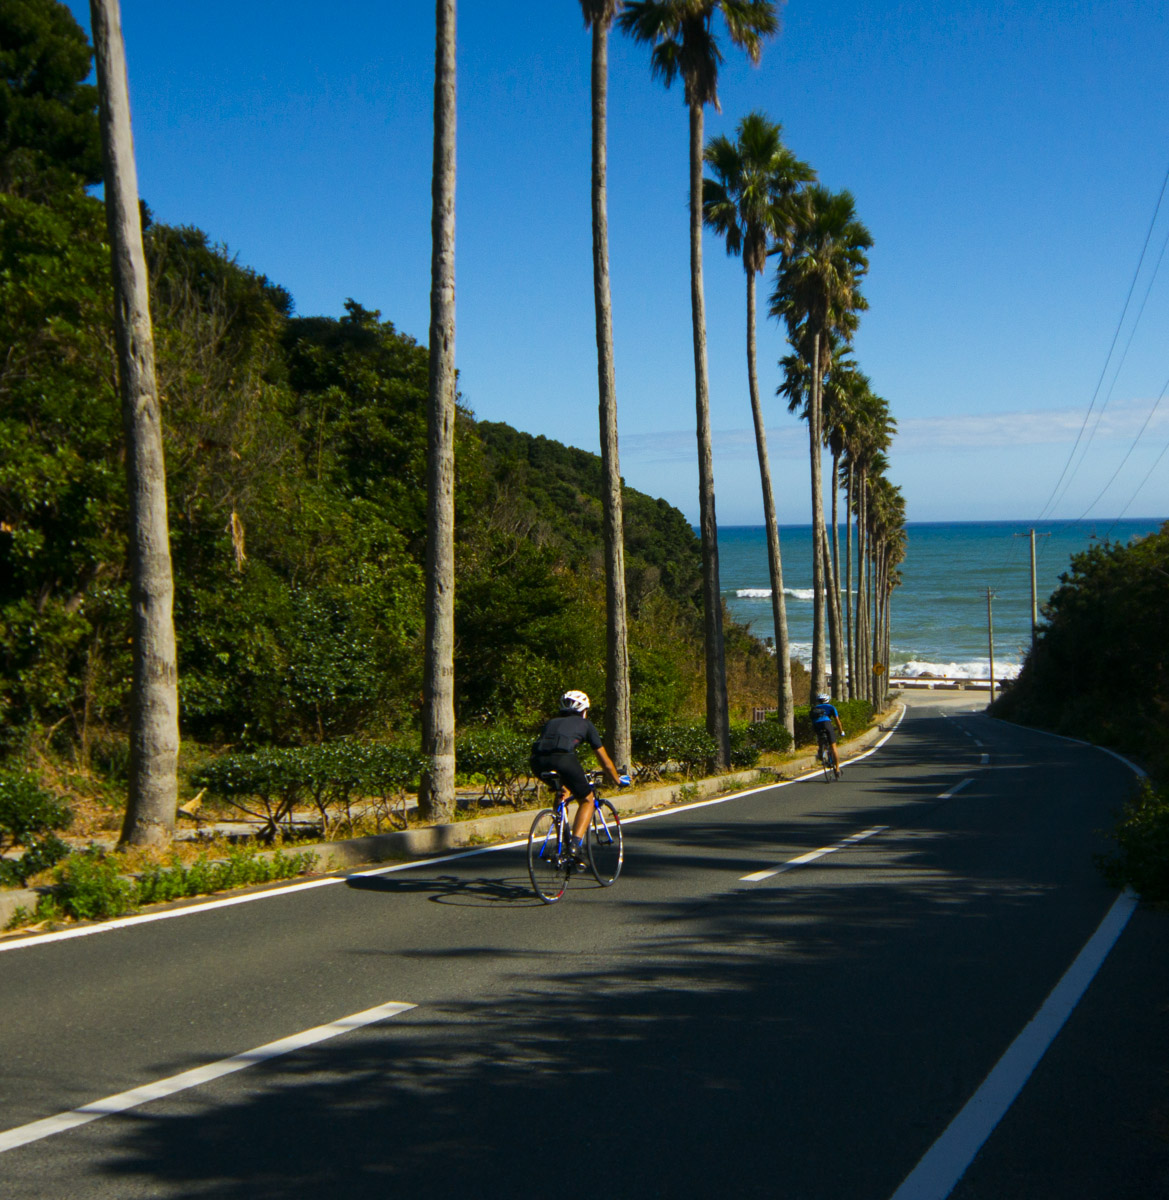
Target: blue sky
column 1006, row 158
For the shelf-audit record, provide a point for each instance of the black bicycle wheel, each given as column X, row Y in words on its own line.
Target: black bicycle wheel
column 606, row 845
column 546, row 866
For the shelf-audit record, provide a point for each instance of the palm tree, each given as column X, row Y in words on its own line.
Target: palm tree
column 818, row 296
column 869, row 414
column 599, row 15
column 684, row 44
column 843, row 389
column 437, row 795
column 154, row 733
column 749, row 203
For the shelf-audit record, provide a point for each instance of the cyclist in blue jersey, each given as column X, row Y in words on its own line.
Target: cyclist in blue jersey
column 823, row 714
column 555, row 750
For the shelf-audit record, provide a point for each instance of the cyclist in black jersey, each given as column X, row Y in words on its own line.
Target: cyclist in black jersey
column 555, row 750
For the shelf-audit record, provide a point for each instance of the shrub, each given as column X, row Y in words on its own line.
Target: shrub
column 744, row 751
column 656, row 748
column 91, row 885
column 269, row 784
column 1141, row 858
column 29, row 817
column 770, row 736
column 501, row 758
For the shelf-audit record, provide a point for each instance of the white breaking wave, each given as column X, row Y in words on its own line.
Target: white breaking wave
column 976, row 669
column 765, row 593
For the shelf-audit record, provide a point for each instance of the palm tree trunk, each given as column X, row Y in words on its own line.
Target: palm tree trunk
column 154, row 729
column 717, row 717
column 616, row 630
column 838, row 670
column 818, row 583
column 437, row 795
column 862, row 591
column 774, row 562
column 848, row 514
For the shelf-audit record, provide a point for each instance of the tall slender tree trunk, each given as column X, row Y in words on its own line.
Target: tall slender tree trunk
column 617, row 700
column 437, row 796
column 819, row 671
column 717, row 717
column 862, row 592
column 848, row 611
column 774, row 562
column 838, row 670
column 154, row 727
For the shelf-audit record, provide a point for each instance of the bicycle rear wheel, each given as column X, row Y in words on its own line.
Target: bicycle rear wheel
column 546, row 866
column 606, row 844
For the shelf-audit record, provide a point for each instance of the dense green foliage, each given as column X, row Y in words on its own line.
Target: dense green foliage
column 295, row 454
column 1100, row 667
column 1141, row 857
column 30, row 818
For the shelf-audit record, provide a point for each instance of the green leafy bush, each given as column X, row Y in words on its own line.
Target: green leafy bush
column 656, row 748
column 501, row 758
column 269, row 784
column 29, row 817
column 1141, row 858
column 744, row 750
column 769, row 736
column 91, row 885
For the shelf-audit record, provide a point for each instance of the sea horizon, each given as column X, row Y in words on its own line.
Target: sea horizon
column 939, row 610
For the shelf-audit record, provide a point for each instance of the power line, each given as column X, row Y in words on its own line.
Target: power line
column 1138, row 491
column 1111, row 348
column 1128, row 453
column 1119, row 368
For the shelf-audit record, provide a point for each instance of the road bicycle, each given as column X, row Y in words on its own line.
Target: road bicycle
column 824, row 754
column 550, row 858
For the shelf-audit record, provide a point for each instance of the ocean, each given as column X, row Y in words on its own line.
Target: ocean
column 939, row 623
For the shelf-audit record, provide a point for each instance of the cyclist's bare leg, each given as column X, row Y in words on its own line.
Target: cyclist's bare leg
column 584, row 814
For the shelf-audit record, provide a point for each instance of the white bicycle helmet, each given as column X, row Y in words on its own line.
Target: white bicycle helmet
column 822, row 699
column 574, row 702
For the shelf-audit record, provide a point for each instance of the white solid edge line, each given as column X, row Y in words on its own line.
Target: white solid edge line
column 160, row 1088
column 812, row 855
column 946, row 1161
column 1140, row 772
column 65, row 935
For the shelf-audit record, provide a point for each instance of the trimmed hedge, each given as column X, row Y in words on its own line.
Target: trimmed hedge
column 655, row 747
column 501, row 758
column 270, row 783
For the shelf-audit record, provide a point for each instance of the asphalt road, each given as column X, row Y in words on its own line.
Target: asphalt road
column 809, row 1035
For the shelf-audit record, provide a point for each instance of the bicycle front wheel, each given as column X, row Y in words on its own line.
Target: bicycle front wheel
column 606, row 845
column 546, row 866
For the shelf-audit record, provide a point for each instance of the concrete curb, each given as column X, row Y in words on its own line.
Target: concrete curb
column 410, row 844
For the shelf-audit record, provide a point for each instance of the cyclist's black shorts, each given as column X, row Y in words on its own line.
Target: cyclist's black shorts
column 825, row 731
column 568, row 767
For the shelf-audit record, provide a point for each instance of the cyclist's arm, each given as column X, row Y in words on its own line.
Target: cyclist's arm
column 606, row 762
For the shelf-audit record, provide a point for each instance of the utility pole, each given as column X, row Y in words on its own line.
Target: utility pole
column 1034, row 596
column 990, row 639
